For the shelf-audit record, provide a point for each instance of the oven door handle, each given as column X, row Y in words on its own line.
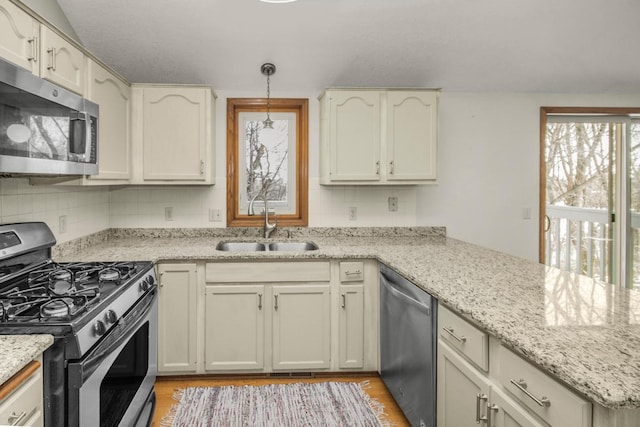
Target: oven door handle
column 121, row 332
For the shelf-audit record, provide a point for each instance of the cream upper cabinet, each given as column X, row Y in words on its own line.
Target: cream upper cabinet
column 411, row 136
column 378, row 137
column 353, row 126
column 177, row 318
column 19, row 37
column 60, row 61
column 27, row 43
column 173, row 135
column 114, row 98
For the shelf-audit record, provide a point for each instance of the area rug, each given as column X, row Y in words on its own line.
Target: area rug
column 276, row 405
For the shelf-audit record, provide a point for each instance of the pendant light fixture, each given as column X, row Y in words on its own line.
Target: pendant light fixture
column 268, row 69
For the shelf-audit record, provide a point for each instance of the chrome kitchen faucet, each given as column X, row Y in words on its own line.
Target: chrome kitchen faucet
column 268, row 227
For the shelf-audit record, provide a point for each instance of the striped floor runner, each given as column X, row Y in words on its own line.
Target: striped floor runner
column 276, row 405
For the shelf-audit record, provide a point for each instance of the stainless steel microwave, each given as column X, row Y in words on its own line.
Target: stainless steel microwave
column 45, row 129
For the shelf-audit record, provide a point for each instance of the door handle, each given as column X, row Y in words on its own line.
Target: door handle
column 479, row 398
column 344, row 301
column 275, row 297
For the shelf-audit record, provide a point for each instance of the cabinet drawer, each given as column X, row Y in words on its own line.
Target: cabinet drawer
column 352, row 271
column 263, row 272
column 24, row 403
column 546, row 397
column 464, row 337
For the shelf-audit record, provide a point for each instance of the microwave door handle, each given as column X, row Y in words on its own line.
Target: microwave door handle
column 79, row 147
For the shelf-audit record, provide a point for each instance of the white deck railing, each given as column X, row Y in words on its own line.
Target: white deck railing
column 580, row 240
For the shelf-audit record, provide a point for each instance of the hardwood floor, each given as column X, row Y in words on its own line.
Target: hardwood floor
column 165, row 387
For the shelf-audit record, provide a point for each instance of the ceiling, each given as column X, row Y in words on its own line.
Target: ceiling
column 457, row 45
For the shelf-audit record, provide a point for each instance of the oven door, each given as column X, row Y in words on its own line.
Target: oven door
column 113, row 384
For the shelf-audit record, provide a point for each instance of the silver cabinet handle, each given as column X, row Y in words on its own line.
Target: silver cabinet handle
column 201, row 167
column 352, row 273
column 451, row 332
column 479, row 398
column 15, row 420
column 378, row 167
column 391, row 167
column 259, row 301
column 522, row 386
column 490, row 409
column 344, row 301
column 33, row 43
column 52, row 59
column 276, row 299
column 161, row 281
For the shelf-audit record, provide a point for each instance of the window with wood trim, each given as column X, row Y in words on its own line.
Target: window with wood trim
column 271, row 164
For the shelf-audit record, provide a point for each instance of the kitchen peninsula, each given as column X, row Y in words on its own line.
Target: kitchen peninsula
column 584, row 333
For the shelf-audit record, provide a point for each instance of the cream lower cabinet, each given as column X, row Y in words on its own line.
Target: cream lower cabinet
column 234, row 327
column 290, row 316
column 468, row 398
column 301, row 337
column 23, row 405
column 177, row 318
column 474, row 388
column 267, row 316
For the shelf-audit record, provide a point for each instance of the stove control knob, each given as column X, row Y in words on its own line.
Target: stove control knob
column 111, row 316
column 99, row 328
column 147, row 283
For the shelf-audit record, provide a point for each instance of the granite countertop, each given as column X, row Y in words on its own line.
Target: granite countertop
column 581, row 331
column 16, row 351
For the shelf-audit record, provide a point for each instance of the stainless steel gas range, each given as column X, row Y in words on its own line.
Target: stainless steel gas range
column 101, row 369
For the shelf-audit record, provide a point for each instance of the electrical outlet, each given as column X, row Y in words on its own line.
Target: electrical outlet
column 168, row 214
column 215, row 215
column 62, row 224
column 353, row 213
column 393, row 204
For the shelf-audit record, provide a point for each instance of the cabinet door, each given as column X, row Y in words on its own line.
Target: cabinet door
column 61, row 62
column 114, row 98
column 411, row 135
column 301, row 327
column 234, row 327
column 351, row 326
column 354, row 118
column 507, row 413
column 463, row 392
column 177, row 326
column 18, row 36
column 175, row 133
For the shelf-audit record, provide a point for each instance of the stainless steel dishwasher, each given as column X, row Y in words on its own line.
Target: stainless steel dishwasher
column 408, row 346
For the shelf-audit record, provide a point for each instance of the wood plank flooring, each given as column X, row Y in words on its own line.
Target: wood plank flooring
column 165, row 387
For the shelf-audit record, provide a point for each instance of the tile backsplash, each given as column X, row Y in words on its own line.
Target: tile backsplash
column 70, row 212
column 73, row 212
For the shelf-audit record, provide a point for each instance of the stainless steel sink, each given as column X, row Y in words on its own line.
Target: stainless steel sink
column 241, row 246
column 293, row 246
column 273, row 246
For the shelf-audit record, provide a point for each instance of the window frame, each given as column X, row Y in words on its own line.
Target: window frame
column 299, row 106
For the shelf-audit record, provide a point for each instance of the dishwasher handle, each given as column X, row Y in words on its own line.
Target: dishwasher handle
column 389, row 286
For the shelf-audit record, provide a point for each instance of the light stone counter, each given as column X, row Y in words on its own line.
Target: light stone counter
column 17, row 351
column 585, row 333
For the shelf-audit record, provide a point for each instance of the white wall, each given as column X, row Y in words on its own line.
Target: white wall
column 489, row 166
